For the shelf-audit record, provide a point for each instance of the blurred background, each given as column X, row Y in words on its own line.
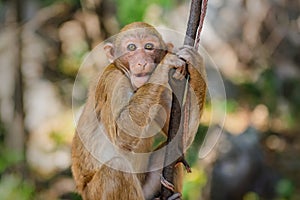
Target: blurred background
column 255, row 44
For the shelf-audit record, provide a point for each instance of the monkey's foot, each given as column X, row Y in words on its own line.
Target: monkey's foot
column 185, row 163
column 167, row 184
column 176, row 196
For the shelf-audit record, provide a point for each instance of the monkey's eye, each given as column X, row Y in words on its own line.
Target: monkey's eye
column 149, row 46
column 131, row 47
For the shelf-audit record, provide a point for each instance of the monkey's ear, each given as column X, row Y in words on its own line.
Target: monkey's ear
column 170, row 46
column 109, row 50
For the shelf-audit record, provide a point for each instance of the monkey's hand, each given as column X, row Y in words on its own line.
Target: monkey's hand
column 174, row 61
column 196, row 70
column 170, row 61
column 194, row 60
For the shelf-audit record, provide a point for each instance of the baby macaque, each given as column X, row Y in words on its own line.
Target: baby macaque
column 126, row 110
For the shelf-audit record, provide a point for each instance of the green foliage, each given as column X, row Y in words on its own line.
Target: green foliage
column 133, row 10
column 193, row 183
column 8, row 158
column 281, row 96
column 69, row 64
column 192, row 153
column 251, row 93
column 231, row 106
column 264, row 90
column 290, row 89
column 74, row 196
column 57, row 137
column 2, row 131
column 13, row 187
column 251, row 196
column 269, row 88
column 285, row 189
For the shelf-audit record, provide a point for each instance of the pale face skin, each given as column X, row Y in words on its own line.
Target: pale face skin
column 140, row 54
column 137, row 53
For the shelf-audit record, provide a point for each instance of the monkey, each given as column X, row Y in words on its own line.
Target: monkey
column 127, row 109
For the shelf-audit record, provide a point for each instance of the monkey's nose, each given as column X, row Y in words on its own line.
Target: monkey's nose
column 142, row 65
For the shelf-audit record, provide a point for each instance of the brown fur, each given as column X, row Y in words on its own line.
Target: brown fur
column 118, row 117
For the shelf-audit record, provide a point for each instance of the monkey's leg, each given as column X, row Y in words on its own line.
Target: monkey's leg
column 113, row 184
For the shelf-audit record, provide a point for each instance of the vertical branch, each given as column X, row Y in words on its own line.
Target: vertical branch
column 177, row 119
column 175, row 127
column 193, row 23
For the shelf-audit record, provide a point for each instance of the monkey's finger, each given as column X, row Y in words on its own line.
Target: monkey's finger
column 187, row 48
column 189, row 54
column 178, row 75
column 185, row 55
column 183, row 70
column 173, row 61
column 187, row 58
column 179, row 63
column 176, row 196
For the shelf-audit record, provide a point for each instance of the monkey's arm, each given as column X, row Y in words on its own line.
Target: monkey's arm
column 197, row 90
column 131, row 114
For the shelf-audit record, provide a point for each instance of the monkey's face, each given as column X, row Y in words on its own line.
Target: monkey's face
column 137, row 51
column 140, row 57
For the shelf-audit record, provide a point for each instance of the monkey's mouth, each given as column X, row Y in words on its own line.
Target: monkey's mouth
column 143, row 74
column 140, row 79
